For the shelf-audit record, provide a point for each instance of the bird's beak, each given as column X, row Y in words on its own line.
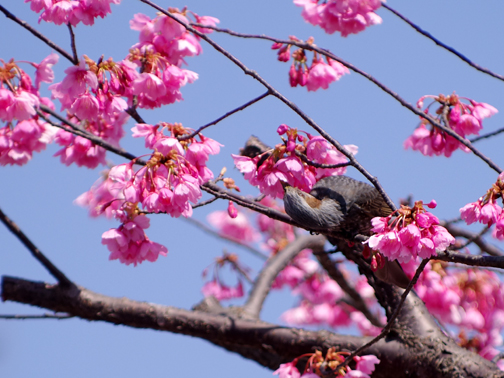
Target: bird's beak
column 284, row 184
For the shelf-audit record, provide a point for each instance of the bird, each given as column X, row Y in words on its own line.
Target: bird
column 341, row 208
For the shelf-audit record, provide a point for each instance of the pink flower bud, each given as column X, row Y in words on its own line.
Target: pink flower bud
column 232, row 211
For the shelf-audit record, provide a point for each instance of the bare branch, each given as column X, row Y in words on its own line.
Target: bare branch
column 239, row 243
column 476, row 239
column 50, row 267
column 217, row 191
column 310, row 122
column 247, row 104
column 472, row 260
column 39, row 35
column 72, row 43
column 275, row 265
column 485, row 136
column 441, row 44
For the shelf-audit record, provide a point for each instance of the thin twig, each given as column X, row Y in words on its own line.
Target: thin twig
column 283, row 99
column 485, row 136
column 392, row 319
column 76, row 130
column 50, row 267
column 318, row 165
column 72, row 43
column 274, row 266
column 134, row 114
column 39, row 35
column 479, row 241
column 203, row 227
column 43, row 316
column 383, row 87
column 204, row 203
column 443, row 45
column 472, row 260
column 247, row 104
column 472, row 239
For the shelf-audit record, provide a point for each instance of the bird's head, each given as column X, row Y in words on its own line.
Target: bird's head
column 309, row 211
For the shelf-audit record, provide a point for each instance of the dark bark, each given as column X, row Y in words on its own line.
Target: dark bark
column 406, row 352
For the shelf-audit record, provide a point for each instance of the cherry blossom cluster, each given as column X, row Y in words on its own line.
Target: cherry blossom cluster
column 318, row 75
column 471, row 299
column 319, row 366
column 169, row 181
column 93, row 101
column 71, row 12
column 486, row 210
column 97, row 94
column 24, row 132
column 412, row 232
column 344, row 16
column 216, row 287
column 282, row 164
column 464, row 119
column 128, row 243
column 321, row 298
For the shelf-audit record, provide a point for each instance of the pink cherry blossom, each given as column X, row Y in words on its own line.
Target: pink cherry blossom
column 464, row 119
column 288, row 370
column 44, row 72
column 347, row 17
column 222, row 292
column 129, row 244
column 413, row 232
column 73, row 11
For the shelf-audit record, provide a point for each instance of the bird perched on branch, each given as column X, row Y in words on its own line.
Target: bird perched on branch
column 341, row 208
column 338, row 207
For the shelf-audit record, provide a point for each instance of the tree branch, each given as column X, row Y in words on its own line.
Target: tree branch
column 244, row 106
column 283, row 99
column 50, row 267
column 266, row 343
column 310, row 122
column 356, row 300
column 441, row 44
column 275, row 265
column 39, row 35
column 478, row 240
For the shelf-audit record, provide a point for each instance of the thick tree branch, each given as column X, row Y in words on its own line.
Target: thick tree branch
column 265, row 343
column 274, row 266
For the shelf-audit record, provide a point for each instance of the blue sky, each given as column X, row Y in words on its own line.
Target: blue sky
column 39, row 196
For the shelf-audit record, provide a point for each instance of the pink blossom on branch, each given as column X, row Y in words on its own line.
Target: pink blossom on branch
column 344, row 16
column 318, row 75
column 413, row 232
column 71, row 12
column 487, row 210
column 129, row 244
column 464, row 119
column 283, row 165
